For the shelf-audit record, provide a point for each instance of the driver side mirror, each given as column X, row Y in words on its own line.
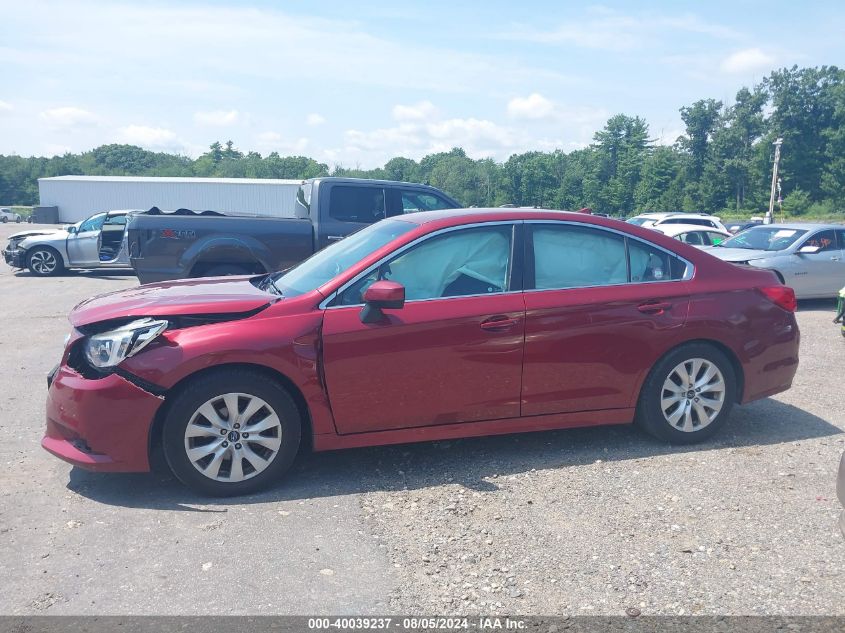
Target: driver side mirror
column 71, row 229
column 381, row 295
column 809, row 250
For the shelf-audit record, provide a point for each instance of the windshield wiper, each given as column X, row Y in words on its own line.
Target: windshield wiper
column 269, row 282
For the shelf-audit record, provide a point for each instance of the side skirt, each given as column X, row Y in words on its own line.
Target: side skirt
column 331, row 441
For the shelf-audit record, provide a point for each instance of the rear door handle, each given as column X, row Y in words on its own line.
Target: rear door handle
column 334, row 238
column 498, row 323
column 654, row 307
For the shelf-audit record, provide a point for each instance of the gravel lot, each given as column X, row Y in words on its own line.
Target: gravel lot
column 574, row 522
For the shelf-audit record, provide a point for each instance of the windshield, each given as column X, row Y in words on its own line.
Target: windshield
column 763, row 238
column 338, row 257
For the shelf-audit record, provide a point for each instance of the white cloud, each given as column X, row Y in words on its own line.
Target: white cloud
column 534, row 106
column 68, row 117
column 747, row 60
column 154, row 137
column 315, row 119
column 607, row 29
column 5, row 106
column 52, row 149
column 216, row 118
column 275, row 142
column 417, row 112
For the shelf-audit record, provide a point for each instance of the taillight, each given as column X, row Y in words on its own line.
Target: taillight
column 783, row 296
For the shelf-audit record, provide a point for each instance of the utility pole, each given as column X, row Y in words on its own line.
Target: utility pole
column 777, row 144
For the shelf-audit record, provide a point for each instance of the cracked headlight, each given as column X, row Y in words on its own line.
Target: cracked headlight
column 108, row 349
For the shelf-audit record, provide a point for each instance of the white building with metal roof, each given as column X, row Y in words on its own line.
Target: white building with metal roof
column 78, row 197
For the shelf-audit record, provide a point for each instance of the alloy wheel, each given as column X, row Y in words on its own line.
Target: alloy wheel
column 693, row 394
column 233, row 437
column 43, row 262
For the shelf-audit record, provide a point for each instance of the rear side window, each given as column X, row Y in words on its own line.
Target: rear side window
column 696, row 221
column 113, row 220
column 413, row 201
column 569, row 256
column 357, row 204
column 649, row 263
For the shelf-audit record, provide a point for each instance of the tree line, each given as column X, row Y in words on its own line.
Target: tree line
column 720, row 164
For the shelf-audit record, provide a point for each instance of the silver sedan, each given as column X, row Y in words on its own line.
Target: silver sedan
column 808, row 257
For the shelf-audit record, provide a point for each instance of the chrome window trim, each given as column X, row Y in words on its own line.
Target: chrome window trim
column 324, row 303
column 688, row 273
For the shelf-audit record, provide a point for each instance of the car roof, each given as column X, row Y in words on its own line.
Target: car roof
column 659, row 215
column 803, row 226
column 676, row 229
column 453, row 217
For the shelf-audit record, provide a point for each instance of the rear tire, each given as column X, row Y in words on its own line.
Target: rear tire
column 688, row 395
column 44, row 261
column 5, row 219
column 216, row 453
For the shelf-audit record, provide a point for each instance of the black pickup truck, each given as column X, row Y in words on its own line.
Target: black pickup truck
column 184, row 243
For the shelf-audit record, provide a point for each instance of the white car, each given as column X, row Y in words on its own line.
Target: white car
column 654, row 220
column 7, row 215
column 97, row 242
column 694, row 234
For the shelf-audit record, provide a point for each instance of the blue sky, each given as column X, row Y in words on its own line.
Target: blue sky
column 356, row 83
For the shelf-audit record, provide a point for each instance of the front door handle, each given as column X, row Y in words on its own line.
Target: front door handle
column 334, row 238
column 654, row 307
column 498, row 323
column 834, row 259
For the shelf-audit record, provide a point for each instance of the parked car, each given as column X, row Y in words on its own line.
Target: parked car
column 737, row 227
column 840, row 492
column 653, row 220
column 166, row 246
column 810, row 258
column 97, row 242
column 7, row 215
column 425, row 326
column 694, row 234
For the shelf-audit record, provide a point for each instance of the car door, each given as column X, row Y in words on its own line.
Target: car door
column 452, row 353
column 820, row 273
column 111, row 246
column 600, row 309
column 83, row 247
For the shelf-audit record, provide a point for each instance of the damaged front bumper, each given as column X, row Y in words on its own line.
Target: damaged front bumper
column 15, row 258
column 100, row 424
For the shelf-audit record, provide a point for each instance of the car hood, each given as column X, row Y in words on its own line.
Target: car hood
column 22, row 235
column 740, row 254
column 194, row 297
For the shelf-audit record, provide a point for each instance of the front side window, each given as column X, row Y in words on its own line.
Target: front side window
column 824, row 240
column 454, row 264
column 94, row 223
column 693, row 237
column 413, row 201
column 714, row 238
column 357, row 204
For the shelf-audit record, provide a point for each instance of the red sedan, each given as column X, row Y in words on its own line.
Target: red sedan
column 427, row 326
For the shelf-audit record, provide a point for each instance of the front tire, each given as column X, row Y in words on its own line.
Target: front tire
column 231, row 432
column 688, row 395
column 44, row 261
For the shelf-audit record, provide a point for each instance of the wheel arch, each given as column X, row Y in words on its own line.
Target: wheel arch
column 61, row 253
column 155, row 434
column 724, row 349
